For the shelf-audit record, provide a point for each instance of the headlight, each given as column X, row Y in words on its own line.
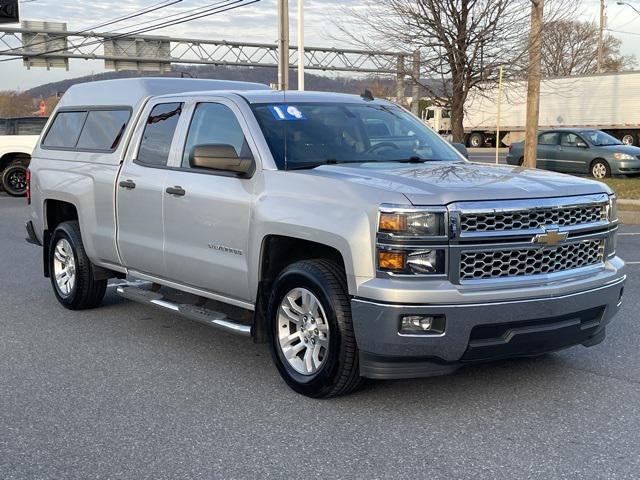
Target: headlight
column 410, row 222
column 612, row 211
column 623, row 156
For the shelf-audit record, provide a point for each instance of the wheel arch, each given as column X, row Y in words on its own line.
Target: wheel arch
column 7, row 157
column 276, row 252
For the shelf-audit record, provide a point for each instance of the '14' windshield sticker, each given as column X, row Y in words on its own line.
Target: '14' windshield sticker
column 286, row 112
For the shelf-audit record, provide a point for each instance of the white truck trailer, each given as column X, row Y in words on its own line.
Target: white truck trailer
column 608, row 101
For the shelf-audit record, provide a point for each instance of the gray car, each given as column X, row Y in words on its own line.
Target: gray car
column 584, row 151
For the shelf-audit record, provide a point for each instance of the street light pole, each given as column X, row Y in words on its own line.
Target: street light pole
column 301, row 45
column 629, row 5
column 533, row 88
column 283, row 44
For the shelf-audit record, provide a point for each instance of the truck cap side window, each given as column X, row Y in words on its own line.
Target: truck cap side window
column 65, row 130
column 215, row 124
column 158, row 134
column 103, row 129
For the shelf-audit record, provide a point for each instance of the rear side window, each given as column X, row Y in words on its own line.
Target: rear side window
column 103, row 129
column 65, row 130
column 3, row 127
column 158, row 134
column 30, row 126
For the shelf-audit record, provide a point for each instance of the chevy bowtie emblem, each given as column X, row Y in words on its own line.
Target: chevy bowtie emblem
column 550, row 237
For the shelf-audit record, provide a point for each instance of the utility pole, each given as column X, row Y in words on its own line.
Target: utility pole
column 415, row 93
column 601, row 37
column 533, row 89
column 301, row 45
column 283, row 44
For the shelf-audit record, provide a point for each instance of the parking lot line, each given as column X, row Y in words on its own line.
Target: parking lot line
column 624, row 234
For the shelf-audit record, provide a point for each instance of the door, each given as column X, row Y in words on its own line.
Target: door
column 140, row 191
column 207, row 212
column 572, row 154
column 547, row 144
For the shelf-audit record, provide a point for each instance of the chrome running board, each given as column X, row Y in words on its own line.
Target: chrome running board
column 191, row 312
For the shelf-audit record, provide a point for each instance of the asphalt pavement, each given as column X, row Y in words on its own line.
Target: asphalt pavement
column 488, row 155
column 127, row 392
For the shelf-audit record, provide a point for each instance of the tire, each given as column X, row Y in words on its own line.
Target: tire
column 476, row 140
column 14, row 179
column 628, row 138
column 67, row 254
column 337, row 372
column 600, row 169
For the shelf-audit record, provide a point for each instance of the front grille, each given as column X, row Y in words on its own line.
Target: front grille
column 532, row 218
column 524, row 262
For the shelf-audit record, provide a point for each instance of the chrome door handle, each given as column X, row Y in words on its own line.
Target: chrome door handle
column 177, row 191
column 128, row 184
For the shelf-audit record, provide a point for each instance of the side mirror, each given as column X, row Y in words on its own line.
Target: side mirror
column 220, row 157
column 462, row 149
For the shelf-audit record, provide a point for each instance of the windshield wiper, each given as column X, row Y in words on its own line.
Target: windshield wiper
column 330, row 161
column 413, row 159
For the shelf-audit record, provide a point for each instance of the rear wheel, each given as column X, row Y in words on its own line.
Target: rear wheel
column 628, row 138
column 476, row 140
column 600, row 169
column 71, row 270
column 14, row 178
column 310, row 333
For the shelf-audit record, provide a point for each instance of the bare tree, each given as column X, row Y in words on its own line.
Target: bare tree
column 569, row 47
column 462, row 42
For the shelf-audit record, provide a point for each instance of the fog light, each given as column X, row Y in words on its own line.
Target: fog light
column 422, row 324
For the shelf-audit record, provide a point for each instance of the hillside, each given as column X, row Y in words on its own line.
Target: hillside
column 261, row 75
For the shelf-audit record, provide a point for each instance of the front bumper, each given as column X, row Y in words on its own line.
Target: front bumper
column 481, row 331
column 625, row 167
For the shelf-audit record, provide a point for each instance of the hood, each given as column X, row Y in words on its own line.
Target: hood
column 439, row 183
column 630, row 149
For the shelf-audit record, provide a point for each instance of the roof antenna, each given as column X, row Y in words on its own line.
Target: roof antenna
column 367, row 95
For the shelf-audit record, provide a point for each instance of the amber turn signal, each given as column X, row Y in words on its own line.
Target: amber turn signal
column 393, row 222
column 391, row 261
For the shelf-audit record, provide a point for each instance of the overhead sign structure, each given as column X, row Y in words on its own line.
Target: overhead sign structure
column 9, row 11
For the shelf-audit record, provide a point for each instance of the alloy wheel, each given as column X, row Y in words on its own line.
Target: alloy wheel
column 64, row 267
column 303, row 331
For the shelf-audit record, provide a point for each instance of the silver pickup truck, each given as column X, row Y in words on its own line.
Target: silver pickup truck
column 337, row 228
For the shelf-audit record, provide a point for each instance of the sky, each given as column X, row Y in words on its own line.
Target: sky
column 253, row 23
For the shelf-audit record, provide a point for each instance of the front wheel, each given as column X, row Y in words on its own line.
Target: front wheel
column 600, row 169
column 14, row 179
column 476, row 140
column 310, row 333
column 71, row 270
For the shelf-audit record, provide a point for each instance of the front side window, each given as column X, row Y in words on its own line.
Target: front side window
column 548, row 138
column 103, row 129
column 65, row 130
column 570, row 139
column 310, row 134
column 30, row 126
column 158, row 134
column 215, row 124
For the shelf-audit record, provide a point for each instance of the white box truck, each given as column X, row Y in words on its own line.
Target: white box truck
column 608, row 101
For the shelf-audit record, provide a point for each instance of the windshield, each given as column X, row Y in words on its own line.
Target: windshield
column 599, row 139
column 305, row 135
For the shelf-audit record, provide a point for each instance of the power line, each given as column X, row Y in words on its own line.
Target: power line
column 622, row 32
column 122, row 18
column 183, row 19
